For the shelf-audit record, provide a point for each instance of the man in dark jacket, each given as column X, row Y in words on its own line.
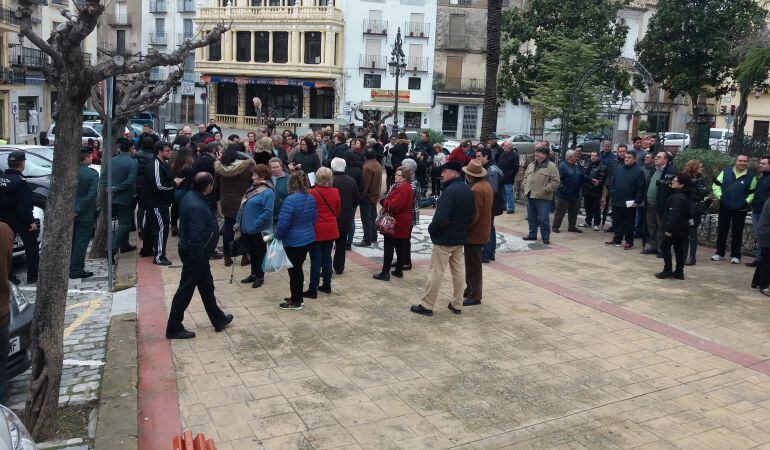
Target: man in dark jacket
column 448, row 232
column 494, row 148
column 85, row 209
column 159, row 186
column 760, row 197
column 371, row 184
column 676, row 227
column 205, row 163
column 734, row 187
column 656, row 194
column 144, row 159
column 124, row 170
column 198, row 237
column 16, row 211
column 592, row 193
column 348, row 202
column 509, row 164
column 627, row 192
column 278, row 151
column 201, row 136
column 354, row 171
column 568, row 193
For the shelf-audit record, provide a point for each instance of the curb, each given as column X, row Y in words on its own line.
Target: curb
column 118, row 399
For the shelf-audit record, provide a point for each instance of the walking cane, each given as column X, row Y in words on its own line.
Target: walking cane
column 233, row 253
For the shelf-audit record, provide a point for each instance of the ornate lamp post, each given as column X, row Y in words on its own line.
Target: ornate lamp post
column 397, row 66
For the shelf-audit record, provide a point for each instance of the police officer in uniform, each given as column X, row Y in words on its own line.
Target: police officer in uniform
column 16, row 211
column 85, row 215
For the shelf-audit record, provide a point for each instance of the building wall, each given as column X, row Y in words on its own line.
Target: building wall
column 758, row 113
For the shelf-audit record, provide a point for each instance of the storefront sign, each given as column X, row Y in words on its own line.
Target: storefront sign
column 385, row 95
column 188, row 88
column 270, row 81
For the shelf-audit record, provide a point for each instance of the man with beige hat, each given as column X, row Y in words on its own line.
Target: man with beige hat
column 478, row 230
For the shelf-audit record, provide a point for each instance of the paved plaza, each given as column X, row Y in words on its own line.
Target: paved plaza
column 576, row 345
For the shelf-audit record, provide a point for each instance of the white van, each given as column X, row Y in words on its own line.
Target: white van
column 719, row 139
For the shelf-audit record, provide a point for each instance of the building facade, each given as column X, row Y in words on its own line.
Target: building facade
column 168, row 23
column 287, row 53
column 371, row 27
column 460, row 73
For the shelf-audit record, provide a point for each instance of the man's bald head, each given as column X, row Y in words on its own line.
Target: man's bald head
column 202, row 181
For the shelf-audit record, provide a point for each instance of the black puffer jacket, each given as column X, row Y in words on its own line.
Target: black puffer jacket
column 595, row 171
column 454, row 211
column 398, row 152
column 509, row 164
column 677, row 213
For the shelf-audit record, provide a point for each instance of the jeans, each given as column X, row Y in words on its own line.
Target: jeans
column 320, row 262
column 732, row 222
column 488, row 249
column 297, row 257
column 125, row 218
column 228, row 234
column 195, row 273
column 755, row 226
column 4, row 349
column 538, row 211
column 761, row 273
column 569, row 206
column 392, row 244
column 178, row 196
column 368, row 214
column 256, row 248
column 510, row 203
column 623, row 219
column 593, row 209
column 679, row 243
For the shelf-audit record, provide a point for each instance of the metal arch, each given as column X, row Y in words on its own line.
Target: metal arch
column 630, row 64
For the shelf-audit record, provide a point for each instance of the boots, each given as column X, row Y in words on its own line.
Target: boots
column 228, row 261
column 690, row 261
column 245, row 260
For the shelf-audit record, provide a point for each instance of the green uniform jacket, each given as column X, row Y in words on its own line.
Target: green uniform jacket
column 85, row 201
column 124, row 172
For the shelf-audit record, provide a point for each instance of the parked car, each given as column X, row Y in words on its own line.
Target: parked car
column 523, row 143
column 13, row 433
column 38, row 174
column 91, row 116
column 719, row 139
column 20, row 333
column 47, row 153
column 91, row 130
column 681, row 140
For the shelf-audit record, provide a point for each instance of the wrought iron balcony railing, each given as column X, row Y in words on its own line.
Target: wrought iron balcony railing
column 417, row 29
column 378, row 62
column 375, row 27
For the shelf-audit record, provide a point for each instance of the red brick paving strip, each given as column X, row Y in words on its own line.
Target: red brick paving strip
column 743, row 359
column 158, row 417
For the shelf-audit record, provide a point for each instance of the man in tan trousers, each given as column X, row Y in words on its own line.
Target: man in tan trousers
column 448, row 232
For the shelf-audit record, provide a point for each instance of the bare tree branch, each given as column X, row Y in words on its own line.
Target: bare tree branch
column 24, row 14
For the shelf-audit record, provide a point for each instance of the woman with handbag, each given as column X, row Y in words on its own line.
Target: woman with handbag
column 233, row 177
column 327, row 201
column 296, row 229
column 254, row 217
column 395, row 223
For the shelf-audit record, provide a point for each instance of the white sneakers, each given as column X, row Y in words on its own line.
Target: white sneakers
column 735, row 260
column 716, row 258
column 596, row 227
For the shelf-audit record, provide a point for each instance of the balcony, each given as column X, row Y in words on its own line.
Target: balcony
column 373, row 62
column 185, row 6
column 158, row 6
column 456, row 42
column 378, row 27
column 119, row 20
column 469, row 85
column 8, row 17
column 12, row 76
column 416, row 29
column 186, row 36
column 158, row 39
column 417, row 64
column 463, row 3
column 19, row 56
column 281, row 14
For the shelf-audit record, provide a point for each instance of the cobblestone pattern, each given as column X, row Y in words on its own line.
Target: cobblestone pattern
column 88, row 301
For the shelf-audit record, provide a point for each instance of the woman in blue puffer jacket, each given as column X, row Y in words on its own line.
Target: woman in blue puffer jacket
column 295, row 228
column 255, row 216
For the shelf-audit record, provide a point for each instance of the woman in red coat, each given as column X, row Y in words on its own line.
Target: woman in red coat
column 327, row 201
column 398, row 203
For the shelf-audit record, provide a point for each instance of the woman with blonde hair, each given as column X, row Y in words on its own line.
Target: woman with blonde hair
column 327, row 200
column 295, row 228
column 398, row 203
column 263, row 151
column 698, row 193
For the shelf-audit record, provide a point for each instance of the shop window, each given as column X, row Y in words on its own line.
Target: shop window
column 412, row 119
column 322, row 103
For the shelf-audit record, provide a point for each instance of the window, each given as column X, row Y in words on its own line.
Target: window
column 89, row 133
column 415, row 83
column 470, row 119
column 322, row 103
column 160, row 27
column 189, row 63
column 243, row 46
column 25, row 105
column 457, row 37
column 262, row 46
column 120, row 42
column 280, row 47
column 313, row 48
column 372, row 81
column 227, row 98
column 412, row 119
column 215, row 50
column 187, row 26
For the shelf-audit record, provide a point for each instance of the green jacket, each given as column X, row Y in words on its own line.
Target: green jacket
column 124, row 172
column 85, row 200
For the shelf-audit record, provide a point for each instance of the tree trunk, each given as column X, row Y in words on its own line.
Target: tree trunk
column 99, row 244
column 489, row 116
column 739, row 125
column 48, row 320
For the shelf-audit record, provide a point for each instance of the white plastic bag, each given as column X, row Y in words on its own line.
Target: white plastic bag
column 275, row 258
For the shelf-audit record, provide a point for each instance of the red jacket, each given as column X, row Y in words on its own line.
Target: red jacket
column 458, row 154
column 399, row 203
column 326, row 225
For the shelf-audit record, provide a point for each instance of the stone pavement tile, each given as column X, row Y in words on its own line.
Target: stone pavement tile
column 358, row 413
column 229, row 414
column 196, row 414
column 628, row 434
column 311, row 403
column 318, row 419
column 271, row 406
column 304, row 386
column 452, row 428
column 370, row 436
column 275, row 426
column 258, row 377
column 388, row 401
column 432, row 441
column 224, row 396
column 724, row 438
column 329, row 437
column 755, row 433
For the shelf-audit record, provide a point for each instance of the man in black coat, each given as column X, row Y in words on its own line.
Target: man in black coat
column 448, row 232
column 201, row 136
column 159, row 192
column 198, row 237
column 627, row 193
column 349, row 194
column 592, row 193
column 509, row 164
column 144, row 158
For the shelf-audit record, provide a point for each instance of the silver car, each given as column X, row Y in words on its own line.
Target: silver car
column 523, row 143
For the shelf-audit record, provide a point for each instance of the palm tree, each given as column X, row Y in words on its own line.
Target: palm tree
column 489, row 116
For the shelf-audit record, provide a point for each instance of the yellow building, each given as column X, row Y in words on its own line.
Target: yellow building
column 758, row 114
column 287, row 52
column 10, row 78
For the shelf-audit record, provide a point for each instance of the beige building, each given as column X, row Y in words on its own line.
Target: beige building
column 120, row 28
column 286, row 52
column 758, row 114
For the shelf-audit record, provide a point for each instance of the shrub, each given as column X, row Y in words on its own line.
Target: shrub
column 434, row 136
column 713, row 161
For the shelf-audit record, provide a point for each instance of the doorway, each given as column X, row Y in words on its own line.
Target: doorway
column 449, row 120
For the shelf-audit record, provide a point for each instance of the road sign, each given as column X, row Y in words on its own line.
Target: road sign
column 188, row 88
column 14, row 108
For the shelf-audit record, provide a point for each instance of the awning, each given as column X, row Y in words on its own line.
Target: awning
column 450, row 100
column 409, row 107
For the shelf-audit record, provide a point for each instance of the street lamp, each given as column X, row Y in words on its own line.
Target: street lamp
column 733, row 90
column 397, row 66
column 757, row 92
